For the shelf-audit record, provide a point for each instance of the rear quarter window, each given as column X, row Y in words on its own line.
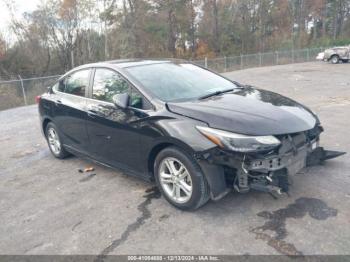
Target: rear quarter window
column 74, row 84
column 58, row 87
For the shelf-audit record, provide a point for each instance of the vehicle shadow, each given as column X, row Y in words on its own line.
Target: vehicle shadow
column 264, row 217
column 268, row 215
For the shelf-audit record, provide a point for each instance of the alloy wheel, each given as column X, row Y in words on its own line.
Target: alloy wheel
column 335, row 59
column 175, row 180
column 54, row 141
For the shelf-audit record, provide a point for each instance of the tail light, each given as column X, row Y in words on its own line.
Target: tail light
column 37, row 99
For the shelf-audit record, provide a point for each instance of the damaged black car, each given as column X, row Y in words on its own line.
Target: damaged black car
column 197, row 134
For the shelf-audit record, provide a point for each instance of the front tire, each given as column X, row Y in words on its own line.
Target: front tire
column 335, row 59
column 180, row 179
column 54, row 141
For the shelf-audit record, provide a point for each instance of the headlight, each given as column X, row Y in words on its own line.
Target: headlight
column 238, row 142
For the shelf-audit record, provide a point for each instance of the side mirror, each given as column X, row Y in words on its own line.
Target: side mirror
column 121, row 100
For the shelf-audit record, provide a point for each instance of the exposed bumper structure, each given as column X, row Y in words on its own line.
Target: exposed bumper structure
column 268, row 172
column 276, row 179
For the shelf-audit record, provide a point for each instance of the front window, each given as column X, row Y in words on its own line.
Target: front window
column 108, row 83
column 179, row 82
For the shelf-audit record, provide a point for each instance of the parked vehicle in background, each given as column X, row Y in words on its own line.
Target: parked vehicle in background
column 335, row 55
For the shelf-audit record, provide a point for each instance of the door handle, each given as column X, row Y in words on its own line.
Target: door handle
column 92, row 113
column 58, row 102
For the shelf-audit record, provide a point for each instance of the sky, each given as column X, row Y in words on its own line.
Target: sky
column 22, row 6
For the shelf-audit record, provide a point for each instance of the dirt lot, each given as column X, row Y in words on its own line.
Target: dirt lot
column 48, row 207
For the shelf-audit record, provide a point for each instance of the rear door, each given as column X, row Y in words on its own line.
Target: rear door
column 114, row 132
column 69, row 109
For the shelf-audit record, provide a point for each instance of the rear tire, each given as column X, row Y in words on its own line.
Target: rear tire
column 335, row 59
column 180, row 179
column 54, row 141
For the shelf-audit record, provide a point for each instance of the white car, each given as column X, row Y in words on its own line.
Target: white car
column 335, row 55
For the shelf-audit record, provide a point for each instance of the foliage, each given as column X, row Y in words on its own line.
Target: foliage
column 62, row 34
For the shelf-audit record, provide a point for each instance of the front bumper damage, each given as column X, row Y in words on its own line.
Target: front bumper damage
column 268, row 171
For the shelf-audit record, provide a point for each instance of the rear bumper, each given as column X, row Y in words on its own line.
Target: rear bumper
column 226, row 171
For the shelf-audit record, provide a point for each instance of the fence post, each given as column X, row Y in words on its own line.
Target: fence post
column 23, row 91
column 241, row 61
column 260, row 59
column 277, row 58
column 225, row 61
column 307, row 55
column 293, row 55
column 206, row 62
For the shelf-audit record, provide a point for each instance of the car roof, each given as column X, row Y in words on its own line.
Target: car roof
column 124, row 63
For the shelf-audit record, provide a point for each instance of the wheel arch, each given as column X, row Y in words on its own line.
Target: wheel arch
column 158, row 147
column 45, row 122
column 333, row 55
column 214, row 174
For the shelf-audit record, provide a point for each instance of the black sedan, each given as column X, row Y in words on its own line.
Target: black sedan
column 196, row 133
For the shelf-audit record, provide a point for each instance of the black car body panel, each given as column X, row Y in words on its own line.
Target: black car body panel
column 249, row 111
column 130, row 138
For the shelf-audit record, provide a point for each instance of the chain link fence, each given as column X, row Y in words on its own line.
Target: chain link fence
column 227, row 64
column 21, row 92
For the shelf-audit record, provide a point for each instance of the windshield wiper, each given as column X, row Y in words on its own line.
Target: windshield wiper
column 216, row 93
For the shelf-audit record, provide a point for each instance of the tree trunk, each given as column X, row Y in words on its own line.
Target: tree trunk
column 193, row 40
column 171, row 35
column 324, row 19
column 335, row 22
column 72, row 58
column 216, row 28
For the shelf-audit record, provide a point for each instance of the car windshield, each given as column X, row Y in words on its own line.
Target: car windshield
column 179, row 82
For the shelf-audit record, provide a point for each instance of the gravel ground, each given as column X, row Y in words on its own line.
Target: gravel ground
column 48, row 207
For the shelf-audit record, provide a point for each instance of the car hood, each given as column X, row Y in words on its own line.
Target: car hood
column 249, row 111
